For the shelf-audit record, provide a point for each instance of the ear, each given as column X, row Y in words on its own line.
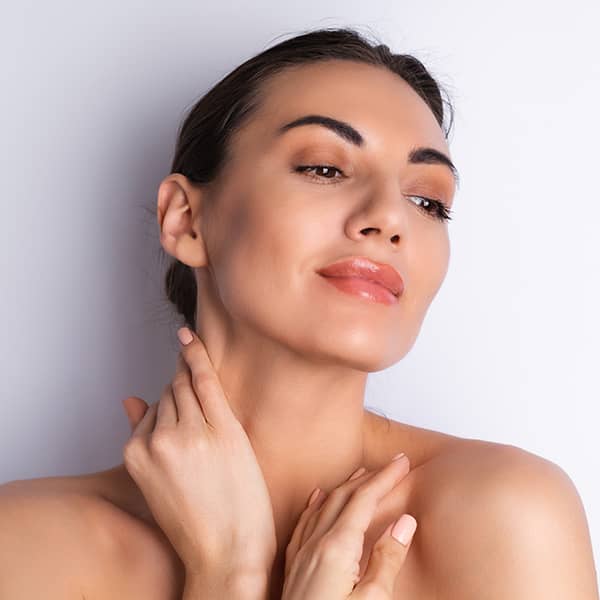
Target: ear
column 179, row 218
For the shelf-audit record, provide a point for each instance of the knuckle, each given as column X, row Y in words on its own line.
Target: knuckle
column 161, row 442
column 132, row 447
column 361, row 493
column 338, row 547
column 179, row 381
column 338, row 493
column 132, row 453
column 388, row 553
column 202, row 379
column 329, row 548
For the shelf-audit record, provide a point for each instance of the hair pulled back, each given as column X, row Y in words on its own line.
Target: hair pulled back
column 204, row 135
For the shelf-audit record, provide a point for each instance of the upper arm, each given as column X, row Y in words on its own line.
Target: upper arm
column 38, row 556
column 517, row 530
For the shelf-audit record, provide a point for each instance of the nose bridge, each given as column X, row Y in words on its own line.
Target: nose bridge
column 385, row 209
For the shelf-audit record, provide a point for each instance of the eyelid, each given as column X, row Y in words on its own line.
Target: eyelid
column 333, row 159
column 430, row 188
column 432, row 185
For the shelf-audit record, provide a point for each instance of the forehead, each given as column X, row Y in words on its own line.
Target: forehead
column 376, row 101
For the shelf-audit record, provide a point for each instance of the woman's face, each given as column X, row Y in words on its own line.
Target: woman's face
column 268, row 228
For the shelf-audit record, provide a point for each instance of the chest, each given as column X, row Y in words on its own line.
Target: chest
column 139, row 562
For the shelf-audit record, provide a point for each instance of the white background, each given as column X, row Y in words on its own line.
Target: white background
column 92, row 94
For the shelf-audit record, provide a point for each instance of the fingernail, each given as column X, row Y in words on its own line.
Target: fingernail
column 184, row 335
column 399, row 456
column 313, row 496
column 404, row 529
column 357, row 473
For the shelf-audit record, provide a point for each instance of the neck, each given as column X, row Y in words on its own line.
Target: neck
column 303, row 414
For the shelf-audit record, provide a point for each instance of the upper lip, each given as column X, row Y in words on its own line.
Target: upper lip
column 365, row 268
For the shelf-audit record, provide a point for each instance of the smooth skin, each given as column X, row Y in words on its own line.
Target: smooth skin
column 292, row 354
column 324, row 554
column 186, row 455
column 188, row 452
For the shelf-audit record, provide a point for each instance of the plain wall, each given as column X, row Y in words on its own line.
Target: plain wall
column 92, row 94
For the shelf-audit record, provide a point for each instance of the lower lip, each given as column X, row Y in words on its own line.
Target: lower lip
column 361, row 287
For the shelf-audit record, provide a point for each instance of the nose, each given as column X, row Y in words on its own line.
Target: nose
column 382, row 214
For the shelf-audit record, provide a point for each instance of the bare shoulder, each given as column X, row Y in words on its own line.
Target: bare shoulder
column 40, row 544
column 485, row 510
column 138, row 560
column 87, row 547
column 492, row 509
column 386, row 437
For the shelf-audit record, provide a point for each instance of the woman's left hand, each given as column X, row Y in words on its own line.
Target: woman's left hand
column 324, row 553
column 196, row 468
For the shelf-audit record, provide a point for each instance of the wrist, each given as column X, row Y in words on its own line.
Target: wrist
column 237, row 585
column 248, row 585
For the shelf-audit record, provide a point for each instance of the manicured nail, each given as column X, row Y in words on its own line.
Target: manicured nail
column 184, row 335
column 313, row 496
column 404, row 529
column 357, row 473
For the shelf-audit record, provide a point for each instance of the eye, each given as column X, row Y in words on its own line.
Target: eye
column 328, row 170
column 435, row 208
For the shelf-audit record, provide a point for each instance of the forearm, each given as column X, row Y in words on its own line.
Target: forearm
column 235, row 587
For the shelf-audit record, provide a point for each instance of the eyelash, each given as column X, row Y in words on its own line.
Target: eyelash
column 440, row 210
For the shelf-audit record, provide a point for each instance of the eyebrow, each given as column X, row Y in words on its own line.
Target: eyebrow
column 417, row 155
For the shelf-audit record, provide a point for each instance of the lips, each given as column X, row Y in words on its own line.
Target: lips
column 365, row 268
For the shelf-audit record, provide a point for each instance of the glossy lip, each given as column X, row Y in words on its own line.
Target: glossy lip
column 365, row 268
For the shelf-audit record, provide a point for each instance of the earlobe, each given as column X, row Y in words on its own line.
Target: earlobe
column 177, row 216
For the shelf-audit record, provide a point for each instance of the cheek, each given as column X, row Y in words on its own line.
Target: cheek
column 258, row 262
column 440, row 262
column 428, row 264
column 265, row 248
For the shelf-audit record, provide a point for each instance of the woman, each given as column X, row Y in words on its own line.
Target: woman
column 321, row 151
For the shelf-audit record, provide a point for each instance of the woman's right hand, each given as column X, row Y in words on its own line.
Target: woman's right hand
column 196, row 468
column 323, row 555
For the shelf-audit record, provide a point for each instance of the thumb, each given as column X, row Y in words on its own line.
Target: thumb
column 386, row 560
column 135, row 408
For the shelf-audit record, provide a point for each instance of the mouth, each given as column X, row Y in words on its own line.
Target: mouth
column 365, row 269
column 364, row 288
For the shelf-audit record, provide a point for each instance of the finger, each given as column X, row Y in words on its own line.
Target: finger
column 135, row 408
column 306, row 522
column 314, row 502
column 166, row 415
column 205, row 382
column 146, row 425
column 357, row 513
column 189, row 408
column 324, row 517
column 388, row 555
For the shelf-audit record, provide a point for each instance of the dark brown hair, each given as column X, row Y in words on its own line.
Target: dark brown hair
column 204, row 135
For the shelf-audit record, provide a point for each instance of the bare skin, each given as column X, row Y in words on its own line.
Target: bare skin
column 293, row 353
column 122, row 553
column 92, row 537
